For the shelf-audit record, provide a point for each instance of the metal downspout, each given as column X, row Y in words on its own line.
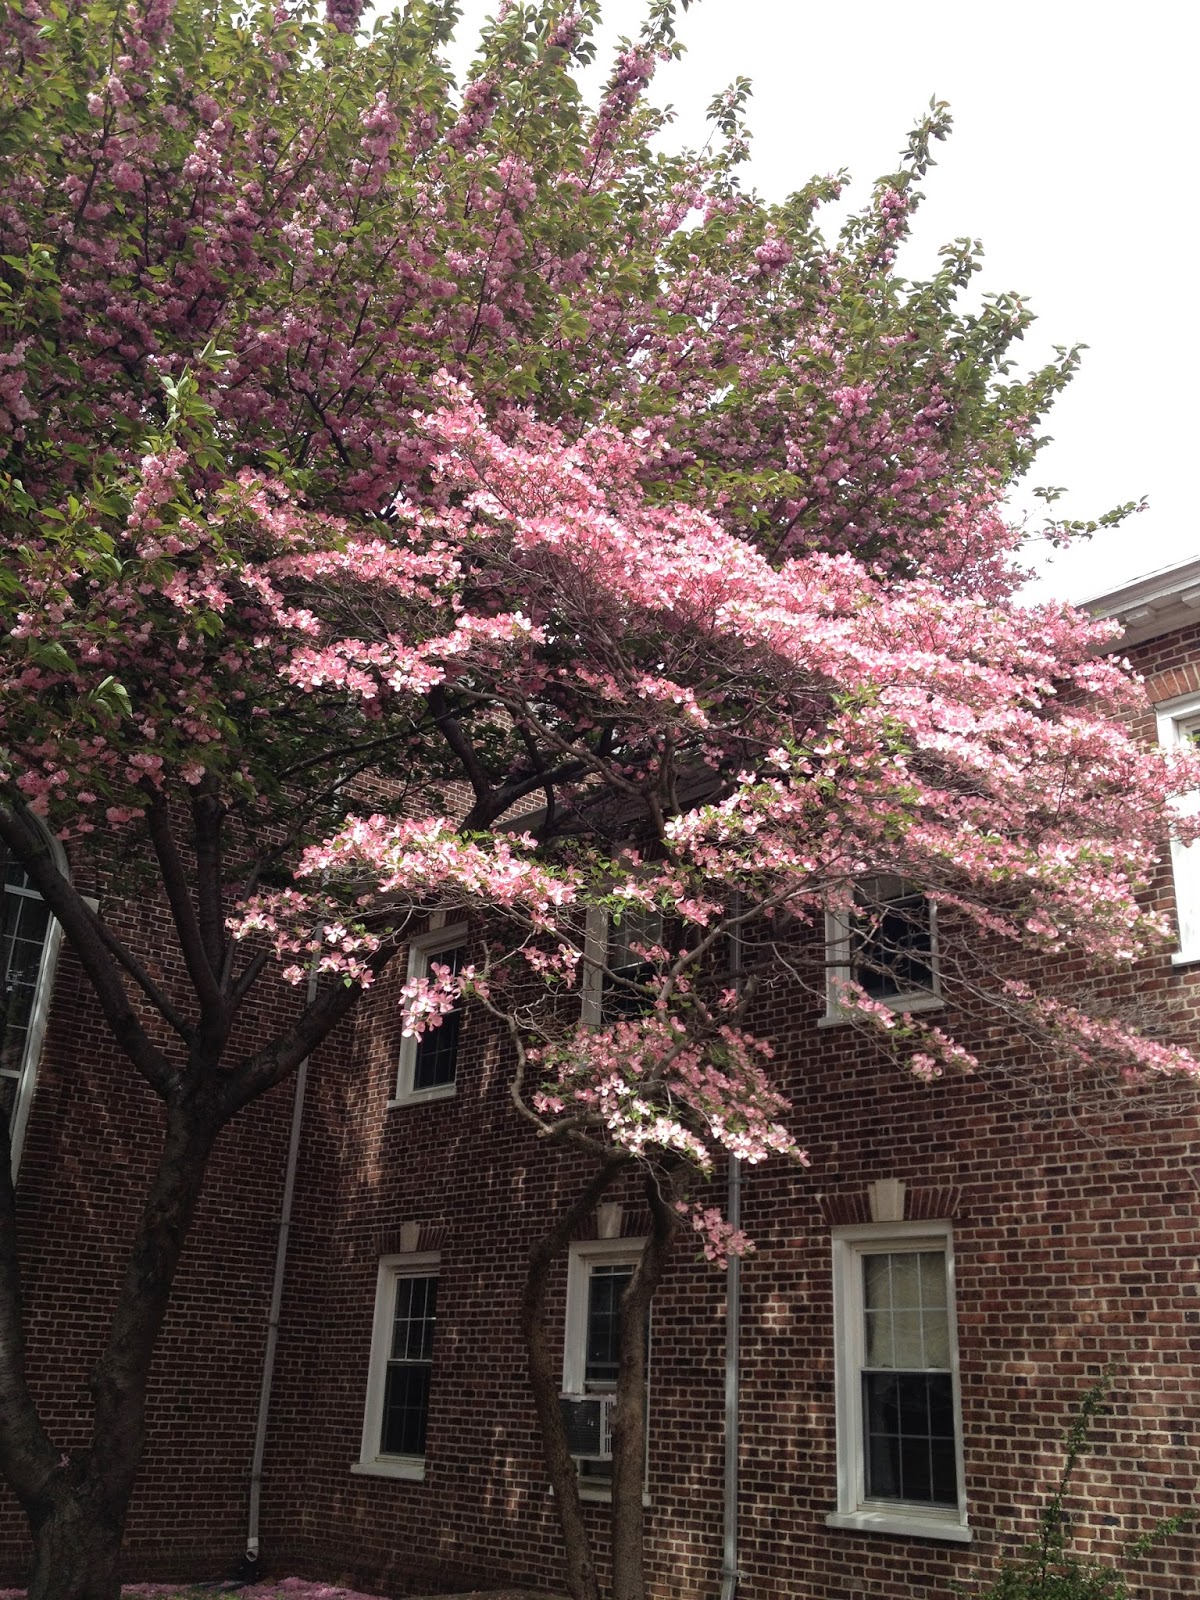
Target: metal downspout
column 281, row 1248
column 733, row 1348
column 733, row 1352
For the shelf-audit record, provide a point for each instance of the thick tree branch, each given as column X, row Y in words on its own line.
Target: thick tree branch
column 208, row 814
column 183, row 912
column 269, row 1066
column 156, row 995
column 451, row 729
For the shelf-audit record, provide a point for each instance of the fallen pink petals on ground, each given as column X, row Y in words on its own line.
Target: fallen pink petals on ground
column 278, row 1589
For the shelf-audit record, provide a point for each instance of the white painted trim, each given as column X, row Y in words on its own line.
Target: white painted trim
column 849, row 1244
column 916, row 1525
column 614, row 1252
column 1171, row 717
column 40, row 1014
column 838, row 969
column 411, row 1467
column 371, row 1463
column 583, row 1252
column 34, row 1039
column 595, row 958
column 421, row 950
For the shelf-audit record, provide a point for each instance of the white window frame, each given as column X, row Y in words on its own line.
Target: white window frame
column 40, row 1012
column 597, row 937
column 1175, row 719
column 854, row 1510
column 421, row 951
column 371, row 1463
column 839, row 969
column 582, row 1254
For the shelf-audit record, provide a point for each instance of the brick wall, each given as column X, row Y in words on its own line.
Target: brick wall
column 92, row 1139
column 1075, row 1225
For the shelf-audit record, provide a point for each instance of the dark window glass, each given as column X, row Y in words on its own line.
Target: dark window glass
column 602, row 1351
column 406, row 1391
column 437, row 1049
column 908, row 1458
column 907, row 1388
column 891, row 946
column 602, row 1355
column 24, row 924
column 625, row 982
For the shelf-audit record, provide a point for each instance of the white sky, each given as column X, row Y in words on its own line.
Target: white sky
column 1073, row 159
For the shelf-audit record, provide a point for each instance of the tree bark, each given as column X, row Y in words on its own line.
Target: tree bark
column 77, row 1549
column 544, row 1380
column 77, row 1511
column 629, row 1417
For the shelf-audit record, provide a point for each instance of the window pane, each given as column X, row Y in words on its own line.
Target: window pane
column 24, row 922
column 436, row 1055
column 602, row 1352
column 406, row 1389
column 936, row 1339
column 879, row 1347
column 641, row 928
column 405, row 1410
column 412, row 1330
column 891, row 946
column 906, row 1323
column 907, row 1344
column 933, row 1278
column 908, row 1422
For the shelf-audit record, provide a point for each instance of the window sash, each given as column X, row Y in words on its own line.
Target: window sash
column 29, row 942
column 588, row 1367
column 893, row 958
column 1179, row 726
column 400, row 1370
column 427, row 1068
column 405, row 1413
column 897, row 1393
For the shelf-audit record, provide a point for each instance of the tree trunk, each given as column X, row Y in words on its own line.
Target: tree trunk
column 544, row 1380
column 629, row 1419
column 77, row 1549
column 77, row 1504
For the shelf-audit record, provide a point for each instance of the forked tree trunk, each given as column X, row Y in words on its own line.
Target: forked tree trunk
column 545, row 1365
column 629, row 1420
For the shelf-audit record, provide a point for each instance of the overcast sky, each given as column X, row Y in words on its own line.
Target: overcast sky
column 1073, row 159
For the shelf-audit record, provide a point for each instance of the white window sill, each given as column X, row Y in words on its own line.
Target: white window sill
column 600, row 1494
column 898, row 1003
column 412, row 1467
column 1185, row 958
column 418, row 1097
column 908, row 1520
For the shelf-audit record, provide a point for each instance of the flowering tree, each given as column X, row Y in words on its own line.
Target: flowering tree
column 637, row 553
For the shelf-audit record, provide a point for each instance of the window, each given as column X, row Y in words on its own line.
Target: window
column 614, row 968
column 29, row 939
column 598, row 1273
column 398, row 1382
column 899, row 1434
column 428, row 1065
column 1179, row 726
column 887, row 945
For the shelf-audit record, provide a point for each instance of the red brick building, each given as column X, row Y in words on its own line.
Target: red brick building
column 926, row 1305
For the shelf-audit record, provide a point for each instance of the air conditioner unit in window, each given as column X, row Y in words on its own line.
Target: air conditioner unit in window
column 587, row 1418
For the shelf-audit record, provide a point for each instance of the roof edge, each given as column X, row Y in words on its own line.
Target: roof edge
column 1154, row 604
